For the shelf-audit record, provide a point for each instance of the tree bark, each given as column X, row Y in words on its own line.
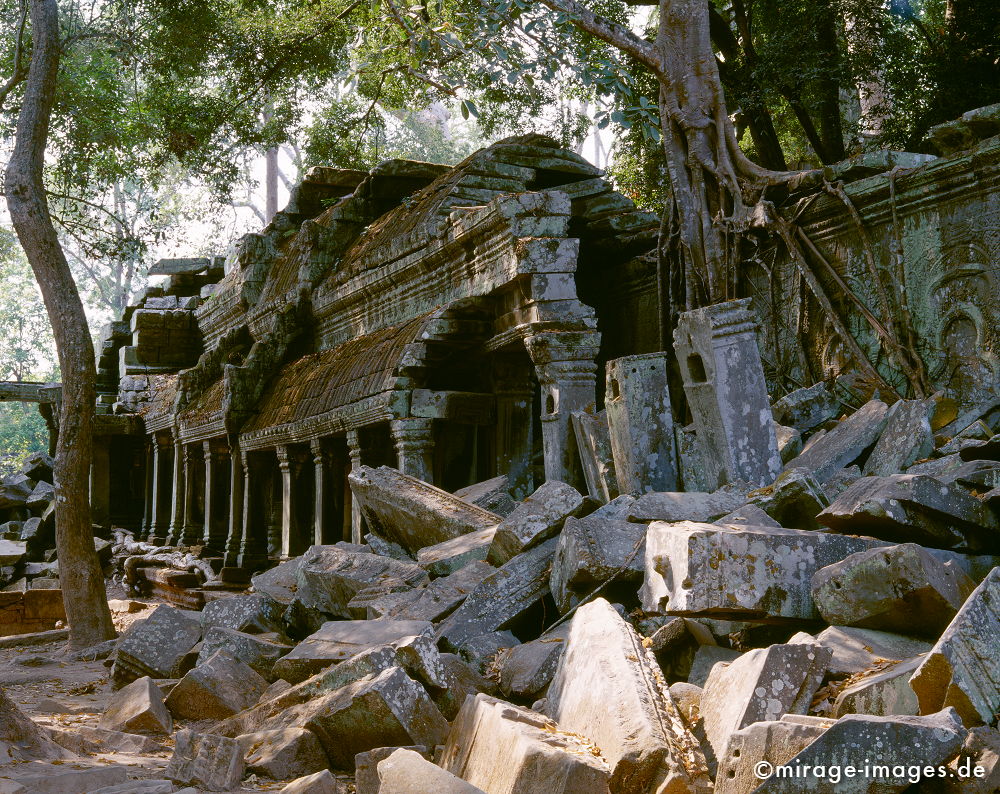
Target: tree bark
column 79, row 570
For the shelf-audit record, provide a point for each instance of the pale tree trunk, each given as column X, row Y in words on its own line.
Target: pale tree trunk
column 79, row 570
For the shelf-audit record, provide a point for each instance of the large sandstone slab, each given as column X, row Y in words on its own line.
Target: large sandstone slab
column 858, row 650
column 688, row 505
column 913, row 508
column 413, row 513
column 844, row 444
column 219, row 687
column 593, row 440
column 963, row 667
column 211, row 762
column 156, row 646
column 259, row 652
column 806, row 408
column 882, row 693
column 507, row 749
column 256, row 613
column 407, row 772
column 501, row 597
column 705, row 569
column 536, row 519
column 436, row 601
column 137, row 708
column 906, row 439
column 283, row 754
column 608, row 688
column 775, row 742
column 445, row 558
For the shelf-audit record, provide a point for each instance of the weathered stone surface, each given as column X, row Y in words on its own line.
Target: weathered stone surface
column 980, row 749
column 38, row 466
column 675, row 644
column 760, row 686
column 384, row 710
column 705, row 658
column 592, row 551
column 689, row 505
column 906, row 439
column 536, row 519
column 83, row 739
column 339, row 640
column 218, row 687
column 881, row 693
column 608, row 688
column 329, row 577
column 857, row 650
column 773, row 741
column 412, row 512
column 259, row 652
column 137, row 708
column 748, row 515
column 506, row 749
column 806, row 408
column 963, row 667
column 640, row 422
column 910, row 508
column 901, row 743
column 753, row 571
column 594, row 444
column 789, row 442
column 407, row 772
column 720, row 363
column 318, row 783
column 436, row 601
column 794, row 499
column 156, row 646
column 527, row 669
column 279, row 582
column 255, row 613
column 12, row 552
column 501, row 597
column 366, row 779
column 206, row 760
column 493, row 495
column 461, row 681
column 899, row 588
column 282, row 754
column 978, row 475
column 43, row 778
column 845, row 443
column 451, row 555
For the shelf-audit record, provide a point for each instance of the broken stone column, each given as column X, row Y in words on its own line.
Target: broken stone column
column 724, row 383
column 500, row 747
column 322, row 489
column 353, row 439
column 512, row 385
column 414, row 440
column 234, row 537
column 963, row 667
column 845, row 443
column 177, row 492
column 160, row 515
column 594, row 442
column 567, row 373
column 608, row 688
column 641, row 424
column 216, row 486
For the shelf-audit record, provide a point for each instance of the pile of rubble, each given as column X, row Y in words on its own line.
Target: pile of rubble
column 665, row 641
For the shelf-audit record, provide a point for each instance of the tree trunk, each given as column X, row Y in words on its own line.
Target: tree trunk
column 79, row 570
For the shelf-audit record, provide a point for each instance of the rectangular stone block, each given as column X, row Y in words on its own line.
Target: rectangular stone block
column 156, row 646
column 906, row 439
column 536, row 519
column 211, row 762
column 594, row 444
column 449, row 556
column 688, row 505
column 436, row 601
column 845, row 443
column 399, row 771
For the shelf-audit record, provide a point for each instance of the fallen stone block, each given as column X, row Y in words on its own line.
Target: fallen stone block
column 15, row 490
column 615, row 510
column 374, row 601
column 760, row 686
column 806, row 408
column 389, row 709
column 977, row 768
column 407, row 772
column 483, row 650
column 705, row 658
column 142, row 787
column 595, row 551
column 436, row 601
column 21, row 739
column 911, row 508
column 318, row 783
column 156, row 647
column 789, row 442
column 857, row 650
column 675, row 643
column 42, row 778
column 453, row 555
column 774, row 742
column 845, row 443
column 501, row 597
column 608, row 688
column 87, row 739
column 536, row 519
column 794, row 499
column 977, row 475
column 900, row 588
column 963, row 668
column 38, row 466
column 906, row 439
column 506, row 749
column 882, row 693
column 137, row 708
column 748, row 515
column 329, row 577
column 750, row 571
column 461, row 681
column 901, row 746
column 219, row 687
column 527, row 669
column 282, row 754
column 206, row 760
column 12, row 552
column 493, row 495
column 594, row 444
column 689, row 505
column 280, row 582
column 257, row 651
column 339, row 640
column 412, row 512
column 366, row 779
column 256, row 613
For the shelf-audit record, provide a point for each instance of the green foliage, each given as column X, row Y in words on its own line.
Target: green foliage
column 22, row 431
column 24, row 326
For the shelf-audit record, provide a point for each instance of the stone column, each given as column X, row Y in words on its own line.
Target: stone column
column 567, row 374
column 289, row 528
column 515, row 433
column 724, row 383
column 177, row 500
column 414, row 440
column 160, row 517
column 354, row 450
column 322, row 497
column 253, row 546
column 216, row 476
column 234, row 539
column 193, row 528
column 148, row 494
column 100, row 482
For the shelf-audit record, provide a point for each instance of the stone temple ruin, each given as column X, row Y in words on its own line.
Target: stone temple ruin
column 414, row 448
